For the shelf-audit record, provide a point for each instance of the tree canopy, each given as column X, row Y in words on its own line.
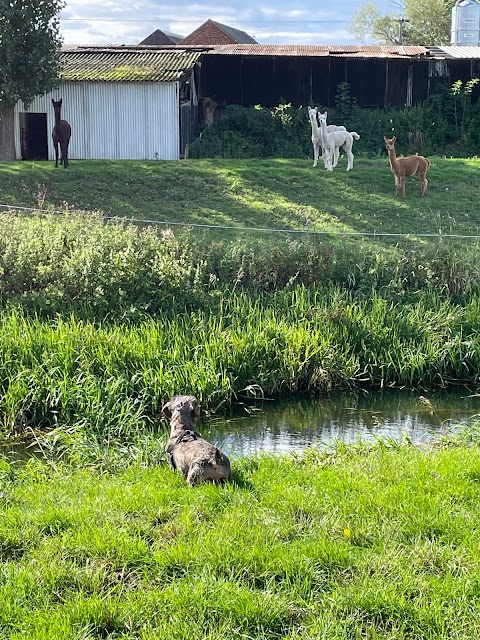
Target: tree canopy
column 424, row 23
column 29, row 49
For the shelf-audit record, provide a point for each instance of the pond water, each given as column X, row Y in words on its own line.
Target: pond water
column 294, row 425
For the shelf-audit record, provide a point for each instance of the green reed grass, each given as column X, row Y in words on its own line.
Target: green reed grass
column 374, row 542
column 111, row 380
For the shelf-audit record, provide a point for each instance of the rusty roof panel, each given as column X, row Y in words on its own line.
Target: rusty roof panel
column 366, row 51
column 126, row 65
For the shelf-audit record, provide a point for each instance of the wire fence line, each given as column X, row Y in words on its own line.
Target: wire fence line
column 309, row 232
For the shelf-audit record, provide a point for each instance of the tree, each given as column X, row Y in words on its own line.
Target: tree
column 424, row 23
column 29, row 57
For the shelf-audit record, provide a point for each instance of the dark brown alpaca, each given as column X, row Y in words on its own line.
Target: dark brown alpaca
column 61, row 134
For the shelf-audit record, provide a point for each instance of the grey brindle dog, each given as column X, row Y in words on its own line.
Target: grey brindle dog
column 197, row 459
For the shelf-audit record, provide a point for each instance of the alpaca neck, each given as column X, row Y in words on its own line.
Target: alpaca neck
column 323, row 129
column 57, row 118
column 392, row 156
column 314, row 123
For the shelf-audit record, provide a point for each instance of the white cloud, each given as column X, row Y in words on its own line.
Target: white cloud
column 273, row 21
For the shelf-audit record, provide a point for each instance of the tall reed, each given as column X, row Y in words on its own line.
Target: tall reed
column 112, row 379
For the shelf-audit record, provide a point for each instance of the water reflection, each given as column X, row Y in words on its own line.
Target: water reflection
column 293, row 425
column 283, row 426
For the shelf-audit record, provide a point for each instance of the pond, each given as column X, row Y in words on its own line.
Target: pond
column 294, row 425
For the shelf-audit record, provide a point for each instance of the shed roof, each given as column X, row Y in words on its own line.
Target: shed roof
column 455, row 52
column 125, row 64
column 351, row 51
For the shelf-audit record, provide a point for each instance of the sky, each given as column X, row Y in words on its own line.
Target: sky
column 267, row 21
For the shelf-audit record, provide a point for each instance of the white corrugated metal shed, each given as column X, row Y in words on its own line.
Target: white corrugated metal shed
column 113, row 120
column 121, row 103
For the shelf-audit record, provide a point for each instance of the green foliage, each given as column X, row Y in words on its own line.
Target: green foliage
column 29, row 47
column 255, row 132
column 81, row 263
column 76, row 263
column 345, row 104
column 447, row 123
column 426, row 23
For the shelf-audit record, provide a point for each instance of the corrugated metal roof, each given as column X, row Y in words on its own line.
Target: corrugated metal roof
column 126, row 65
column 366, row 51
column 455, row 52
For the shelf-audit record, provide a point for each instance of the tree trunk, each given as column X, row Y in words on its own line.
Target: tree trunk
column 7, row 135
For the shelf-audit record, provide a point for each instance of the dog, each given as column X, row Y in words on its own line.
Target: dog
column 197, row 459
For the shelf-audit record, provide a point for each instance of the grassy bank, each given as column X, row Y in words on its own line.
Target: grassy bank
column 110, row 379
column 272, row 193
column 102, row 321
column 348, row 546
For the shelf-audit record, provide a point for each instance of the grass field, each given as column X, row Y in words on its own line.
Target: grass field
column 99, row 539
column 379, row 543
column 256, row 193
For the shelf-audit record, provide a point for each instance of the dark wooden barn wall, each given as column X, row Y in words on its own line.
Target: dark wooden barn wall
column 374, row 82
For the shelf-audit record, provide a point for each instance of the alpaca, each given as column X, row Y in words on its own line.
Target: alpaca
column 61, row 134
column 332, row 141
column 317, row 135
column 409, row 166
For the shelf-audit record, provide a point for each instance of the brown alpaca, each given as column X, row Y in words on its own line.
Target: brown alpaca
column 409, row 166
column 60, row 135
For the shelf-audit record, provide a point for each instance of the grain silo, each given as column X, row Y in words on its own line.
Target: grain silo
column 466, row 23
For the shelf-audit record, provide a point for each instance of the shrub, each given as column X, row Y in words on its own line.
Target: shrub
column 447, row 123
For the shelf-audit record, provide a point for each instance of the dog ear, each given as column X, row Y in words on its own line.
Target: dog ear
column 194, row 409
column 167, row 410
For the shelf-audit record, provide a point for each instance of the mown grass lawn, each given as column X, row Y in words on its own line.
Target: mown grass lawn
column 361, row 544
column 276, row 193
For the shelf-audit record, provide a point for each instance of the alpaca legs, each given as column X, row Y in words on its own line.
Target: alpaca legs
column 329, row 154
column 315, row 153
column 64, row 159
column 400, row 187
column 421, row 175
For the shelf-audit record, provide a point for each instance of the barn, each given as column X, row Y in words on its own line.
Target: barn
column 122, row 102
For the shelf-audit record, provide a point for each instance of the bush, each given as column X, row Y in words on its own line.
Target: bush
column 78, row 263
column 448, row 123
column 51, row 263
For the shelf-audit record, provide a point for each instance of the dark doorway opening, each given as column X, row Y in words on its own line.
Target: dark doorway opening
column 33, row 136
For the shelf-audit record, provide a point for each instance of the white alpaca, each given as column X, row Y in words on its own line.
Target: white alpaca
column 317, row 135
column 332, row 142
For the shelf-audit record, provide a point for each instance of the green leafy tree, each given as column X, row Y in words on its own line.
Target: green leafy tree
column 416, row 23
column 29, row 57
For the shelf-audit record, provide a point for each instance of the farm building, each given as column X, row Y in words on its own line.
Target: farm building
column 211, row 32
column 378, row 75
column 121, row 102
column 141, row 102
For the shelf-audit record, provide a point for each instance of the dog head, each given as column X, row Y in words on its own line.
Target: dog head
column 183, row 411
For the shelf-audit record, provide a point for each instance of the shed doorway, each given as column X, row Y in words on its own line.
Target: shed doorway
column 33, row 136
